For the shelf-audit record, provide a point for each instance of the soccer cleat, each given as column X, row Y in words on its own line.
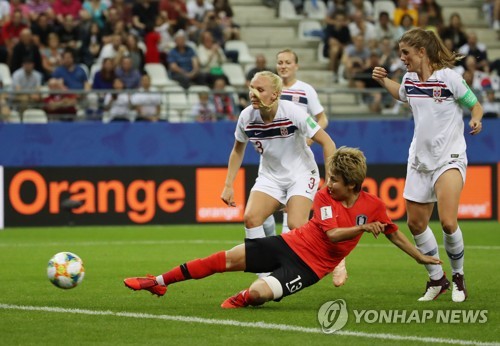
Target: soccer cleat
column 147, row 283
column 236, row 301
column 458, row 291
column 339, row 274
column 434, row 288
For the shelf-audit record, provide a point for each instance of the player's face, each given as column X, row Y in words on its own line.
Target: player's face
column 286, row 65
column 261, row 90
column 337, row 187
column 411, row 57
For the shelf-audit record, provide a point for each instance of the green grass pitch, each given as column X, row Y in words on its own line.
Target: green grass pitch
column 102, row 311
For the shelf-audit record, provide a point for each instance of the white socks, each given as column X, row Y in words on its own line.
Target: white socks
column 160, row 280
column 426, row 243
column 454, row 246
column 285, row 228
column 269, row 226
column 255, row 232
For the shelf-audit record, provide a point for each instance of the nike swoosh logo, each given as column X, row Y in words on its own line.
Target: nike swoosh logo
column 258, row 133
column 410, row 89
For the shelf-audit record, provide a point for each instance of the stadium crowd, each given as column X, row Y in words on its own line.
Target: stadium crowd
column 101, row 49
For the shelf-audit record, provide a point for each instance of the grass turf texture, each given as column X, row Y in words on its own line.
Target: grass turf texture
column 381, row 277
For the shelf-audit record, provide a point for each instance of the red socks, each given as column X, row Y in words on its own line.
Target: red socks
column 197, row 269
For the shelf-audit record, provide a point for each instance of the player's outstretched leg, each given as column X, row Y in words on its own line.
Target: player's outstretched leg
column 195, row 269
column 454, row 246
column 339, row 274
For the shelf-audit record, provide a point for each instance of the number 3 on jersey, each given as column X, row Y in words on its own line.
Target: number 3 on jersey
column 259, row 147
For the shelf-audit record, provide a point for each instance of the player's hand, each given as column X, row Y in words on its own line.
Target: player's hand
column 424, row 259
column 374, row 228
column 476, row 126
column 379, row 73
column 309, row 141
column 228, row 196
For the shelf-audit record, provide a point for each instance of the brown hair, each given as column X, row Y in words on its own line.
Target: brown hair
column 350, row 164
column 439, row 55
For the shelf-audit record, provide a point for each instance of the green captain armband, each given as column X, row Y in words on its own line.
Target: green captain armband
column 469, row 99
column 311, row 122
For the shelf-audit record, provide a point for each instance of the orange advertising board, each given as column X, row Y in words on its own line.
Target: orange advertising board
column 476, row 198
column 209, row 206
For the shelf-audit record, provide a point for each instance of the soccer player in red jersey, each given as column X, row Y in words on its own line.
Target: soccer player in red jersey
column 300, row 258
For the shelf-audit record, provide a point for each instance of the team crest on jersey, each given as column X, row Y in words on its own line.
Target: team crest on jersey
column 284, row 131
column 436, row 94
column 295, row 98
column 361, row 220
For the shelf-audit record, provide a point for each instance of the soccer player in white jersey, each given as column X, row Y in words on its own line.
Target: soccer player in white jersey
column 288, row 173
column 437, row 159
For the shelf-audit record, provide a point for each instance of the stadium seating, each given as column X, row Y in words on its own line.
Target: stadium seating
column 287, row 10
column 175, row 98
column 34, row 116
column 234, row 73
column 5, row 75
column 384, row 5
column 158, row 74
column 315, row 10
column 244, row 56
column 309, row 29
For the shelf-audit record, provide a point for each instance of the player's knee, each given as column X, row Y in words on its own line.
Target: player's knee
column 252, row 220
column 416, row 226
column 295, row 223
column 259, row 293
column 449, row 225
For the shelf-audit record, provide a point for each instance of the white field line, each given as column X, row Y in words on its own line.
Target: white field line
column 190, row 242
column 233, row 323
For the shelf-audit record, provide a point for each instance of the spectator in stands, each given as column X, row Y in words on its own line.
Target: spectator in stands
column 144, row 12
column 59, row 106
column 123, row 9
column 135, row 52
column 41, row 28
column 360, row 26
column 225, row 107
column 197, row 11
column 211, row 57
column 97, row 10
column 152, row 41
column 129, row 75
column 176, row 11
column 103, row 79
column 11, row 32
column 365, row 7
column 455, row 31
column 363, row 81
column 91, row 45
column 51, row 55
column 146, row 102
column 388, row 53
column 260, row 65
column 4, row 12
column 183, row 63
column 491, row 106
column 116, row 49
column 109, row 25
column 407, row 23
column 39, row 7
column 27, row 80
column 26, row 48
column 477, row 49
column 355, row 58
column 204, row 109
column 403, row 8
column 384, row 28
column 431, row 12
column 69, row 34
column 212, row 24
column 19, row 5
column 225, row 14
column 63, row 8
column 73, row 75
column 337, row 37
column 164, row 30
column 118, row 103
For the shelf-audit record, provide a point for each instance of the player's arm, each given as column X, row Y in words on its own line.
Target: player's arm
column 400, row 240
column 235, row 160
column 327, row 143
column 380, row 75
column 346, row 233
column 322, row 120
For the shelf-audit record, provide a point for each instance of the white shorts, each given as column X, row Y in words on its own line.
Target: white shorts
column 306, row 186
column 419, row 186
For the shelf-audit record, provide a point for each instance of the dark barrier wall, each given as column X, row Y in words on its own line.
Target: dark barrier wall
column 208, row 144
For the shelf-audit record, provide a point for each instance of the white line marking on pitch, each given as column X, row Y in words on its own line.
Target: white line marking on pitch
column 262, row 325
column 191, row 242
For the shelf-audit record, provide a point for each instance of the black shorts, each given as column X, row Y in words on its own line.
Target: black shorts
column 272, row 254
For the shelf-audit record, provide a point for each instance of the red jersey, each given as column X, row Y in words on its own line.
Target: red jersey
column 310, row 241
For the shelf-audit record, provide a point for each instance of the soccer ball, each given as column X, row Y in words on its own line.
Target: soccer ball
column 65, row 270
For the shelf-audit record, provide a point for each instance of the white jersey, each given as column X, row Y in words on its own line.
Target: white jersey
column 439, row 127
column 281, row 143
column 304, row 95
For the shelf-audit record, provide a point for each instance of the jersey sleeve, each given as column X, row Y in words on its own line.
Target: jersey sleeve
column 461, row 91
column 239, row 133
column 324, row 211
column 306, row 123
column 384, row 218
column 402, row 90
column 314, row 107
